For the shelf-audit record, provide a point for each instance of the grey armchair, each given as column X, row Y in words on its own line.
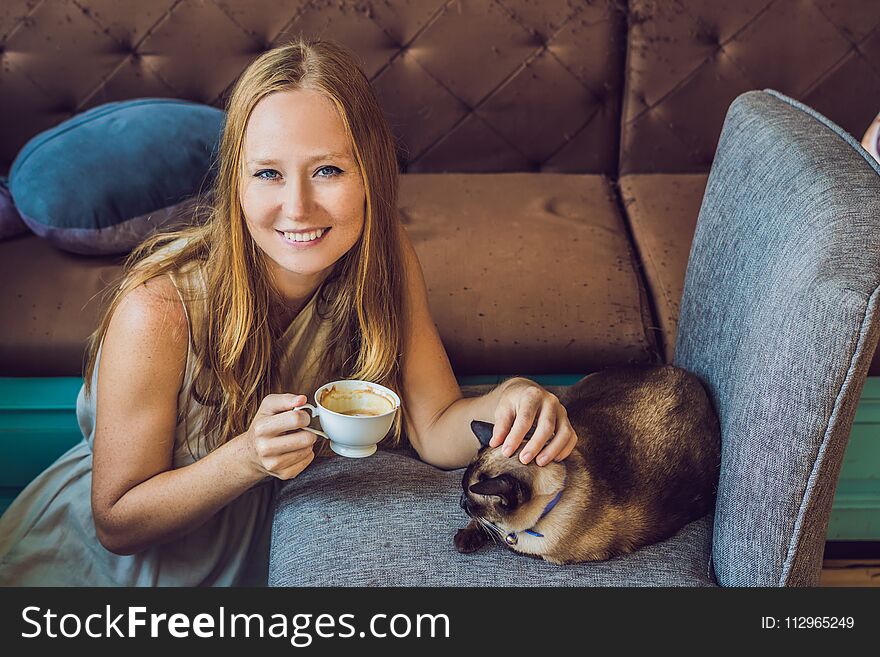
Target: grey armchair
column 778, row 319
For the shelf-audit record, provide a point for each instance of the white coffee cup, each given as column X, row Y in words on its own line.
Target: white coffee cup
column 354, row 415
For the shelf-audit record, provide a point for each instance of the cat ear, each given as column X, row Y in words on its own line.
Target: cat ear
column 499, row 485
column 509, row 488
column 483, row 431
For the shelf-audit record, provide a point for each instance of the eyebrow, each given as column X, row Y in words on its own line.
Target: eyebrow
column 316, row 158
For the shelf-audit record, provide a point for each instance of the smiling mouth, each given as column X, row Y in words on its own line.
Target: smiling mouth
column 291, row 237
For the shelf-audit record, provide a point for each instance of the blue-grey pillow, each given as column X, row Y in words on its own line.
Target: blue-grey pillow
column 10, row 221
column 100, row 182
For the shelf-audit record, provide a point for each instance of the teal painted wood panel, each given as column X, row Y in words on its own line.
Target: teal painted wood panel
column 855, row 514
column 38, row 424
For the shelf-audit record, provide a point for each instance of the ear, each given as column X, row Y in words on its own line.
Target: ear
column 483, row 431
column 509, row 488
column 499, row 485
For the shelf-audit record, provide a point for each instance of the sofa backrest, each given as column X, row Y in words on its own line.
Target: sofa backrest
column 470, row 85
column 688, row 59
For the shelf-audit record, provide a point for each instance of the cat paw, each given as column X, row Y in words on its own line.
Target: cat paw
column 469, row 540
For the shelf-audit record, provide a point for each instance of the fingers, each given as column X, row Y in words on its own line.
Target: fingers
column 281, row 445
column 273, row 404
column 561, row 445
column 275, row 444
column 279, row 435
column 543, row 432
column 286, row 456
column 291, row 464
column 504, row 417
column 527, row 406
column 553, row 437
column 505, row 412
column 281, row 423
column 568, row 449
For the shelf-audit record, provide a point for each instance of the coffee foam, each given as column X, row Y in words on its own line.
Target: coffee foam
column 346, row 401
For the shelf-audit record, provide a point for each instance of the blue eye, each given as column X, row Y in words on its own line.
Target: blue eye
column 328, row 171
column 259, row 174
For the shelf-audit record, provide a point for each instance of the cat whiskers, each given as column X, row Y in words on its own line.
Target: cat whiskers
column 493, row 531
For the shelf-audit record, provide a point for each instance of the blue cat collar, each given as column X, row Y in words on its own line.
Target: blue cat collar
column 511, row 538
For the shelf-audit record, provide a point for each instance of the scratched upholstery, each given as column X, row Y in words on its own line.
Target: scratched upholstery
column 470, row 85
column 689, row 60
column 632, row 94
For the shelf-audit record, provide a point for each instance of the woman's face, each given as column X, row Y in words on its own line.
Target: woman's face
column 299, row 175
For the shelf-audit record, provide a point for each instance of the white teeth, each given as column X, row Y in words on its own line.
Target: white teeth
column 305, row 237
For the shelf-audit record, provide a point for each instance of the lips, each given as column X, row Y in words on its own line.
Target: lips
column 295, row 243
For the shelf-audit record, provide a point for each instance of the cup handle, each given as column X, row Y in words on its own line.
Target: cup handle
column 315, row 413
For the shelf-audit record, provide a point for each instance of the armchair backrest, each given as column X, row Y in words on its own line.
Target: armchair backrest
column 779, row 319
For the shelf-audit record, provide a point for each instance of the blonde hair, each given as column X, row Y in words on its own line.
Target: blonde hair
column 362, row 297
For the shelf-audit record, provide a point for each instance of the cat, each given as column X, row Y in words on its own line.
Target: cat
column 646, row 463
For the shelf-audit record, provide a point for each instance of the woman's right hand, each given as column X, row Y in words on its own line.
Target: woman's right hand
column 277, row 444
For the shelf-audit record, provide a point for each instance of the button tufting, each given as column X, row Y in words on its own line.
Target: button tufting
column 466, row 96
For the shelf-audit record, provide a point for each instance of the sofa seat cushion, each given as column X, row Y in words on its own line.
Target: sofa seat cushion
column 389, row 520
column 50, row 302
column 662, row 211
column 528, row 273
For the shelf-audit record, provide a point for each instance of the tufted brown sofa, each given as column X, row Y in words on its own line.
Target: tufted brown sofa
column 554, row 153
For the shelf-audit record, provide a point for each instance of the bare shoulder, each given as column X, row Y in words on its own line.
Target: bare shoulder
column 407, row 249
column 149, row 328
column 156, row 302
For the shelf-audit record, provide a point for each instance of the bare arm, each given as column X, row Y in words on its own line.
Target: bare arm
column 138, row 500
column 449, row 441
column 439, row 416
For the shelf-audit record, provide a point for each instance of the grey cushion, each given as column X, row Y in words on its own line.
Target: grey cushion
column 779, row 319
column 388, row 520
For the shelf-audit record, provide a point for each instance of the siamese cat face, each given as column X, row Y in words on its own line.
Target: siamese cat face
column 501, row 490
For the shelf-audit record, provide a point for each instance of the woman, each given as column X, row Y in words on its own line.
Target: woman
column 300, row 274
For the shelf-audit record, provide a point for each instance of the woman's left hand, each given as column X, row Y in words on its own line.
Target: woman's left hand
column 521, row 402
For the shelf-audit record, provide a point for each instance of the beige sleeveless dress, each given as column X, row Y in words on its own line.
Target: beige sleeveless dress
column 47, row 535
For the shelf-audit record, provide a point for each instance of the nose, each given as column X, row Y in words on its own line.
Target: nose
column 297, row 199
